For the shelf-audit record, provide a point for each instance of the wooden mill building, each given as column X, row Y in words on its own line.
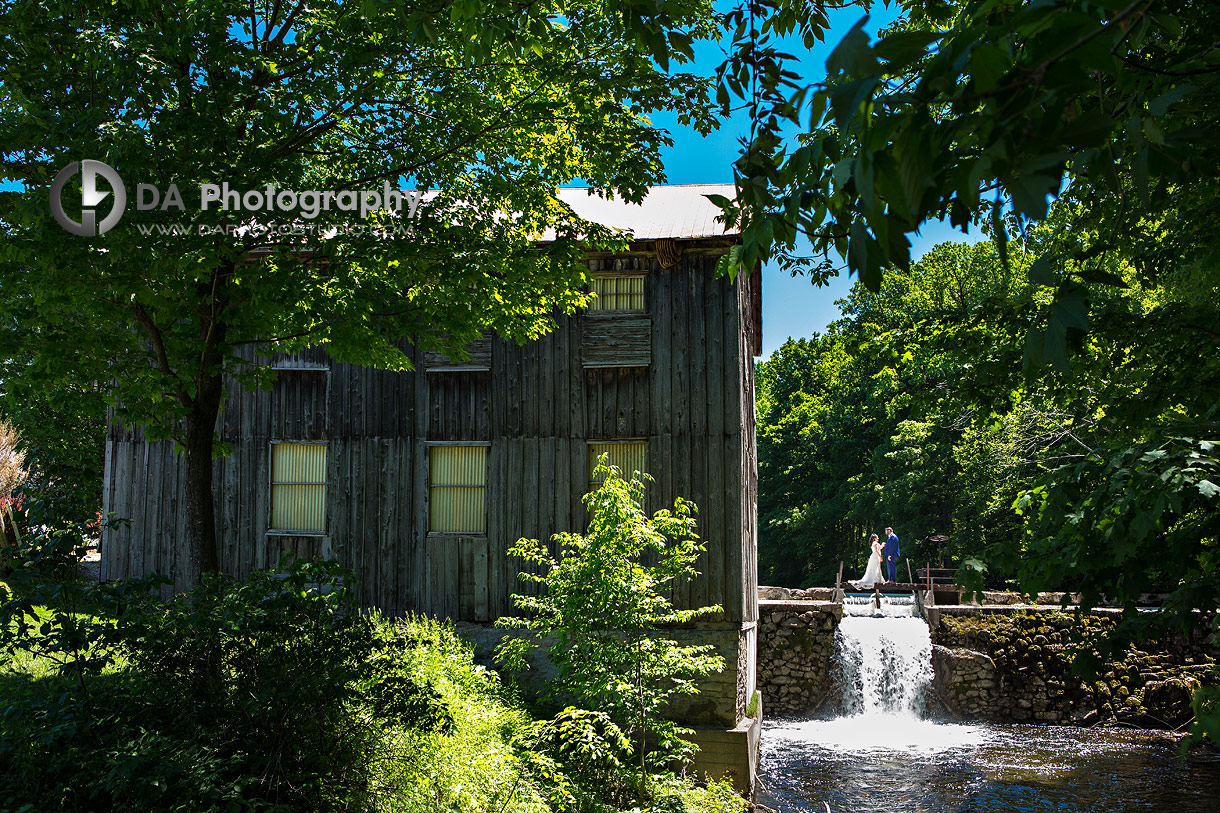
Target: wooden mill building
column 421, row 481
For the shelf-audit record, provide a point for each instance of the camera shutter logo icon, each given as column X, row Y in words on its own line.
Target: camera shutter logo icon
column 91, row 196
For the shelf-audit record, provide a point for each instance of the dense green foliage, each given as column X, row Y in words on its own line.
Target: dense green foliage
column 876, row 423
column 59, row 409
column 965, row 102
column 250, row 694
column 274, row 694
column 602, row 611
column 915, row 411
column 985, row 111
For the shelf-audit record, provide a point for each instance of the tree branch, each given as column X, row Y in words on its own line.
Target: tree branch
column 156, row 338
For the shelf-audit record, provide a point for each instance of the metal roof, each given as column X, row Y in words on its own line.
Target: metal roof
column 672, row 211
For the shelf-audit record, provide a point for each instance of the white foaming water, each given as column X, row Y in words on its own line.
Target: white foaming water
column 884, row 665
column 878, row 605
column 883, row 669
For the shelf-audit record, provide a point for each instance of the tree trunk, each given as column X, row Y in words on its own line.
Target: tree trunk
column 202, row 408
column 203, row 550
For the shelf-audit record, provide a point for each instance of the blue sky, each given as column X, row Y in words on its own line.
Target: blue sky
column 792, row 307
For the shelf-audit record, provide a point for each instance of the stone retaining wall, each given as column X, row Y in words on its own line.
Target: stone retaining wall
column 1016, row 666
column 795, row 647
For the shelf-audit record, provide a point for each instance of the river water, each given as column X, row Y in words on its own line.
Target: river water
column 881, row 750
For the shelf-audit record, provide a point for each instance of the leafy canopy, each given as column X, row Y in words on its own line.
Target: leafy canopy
column 964, row 111
column 492, row 105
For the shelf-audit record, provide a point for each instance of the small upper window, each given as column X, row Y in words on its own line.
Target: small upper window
column 618, row 292
column 313, row 358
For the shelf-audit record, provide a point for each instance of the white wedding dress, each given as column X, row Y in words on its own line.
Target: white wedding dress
column 872, row 573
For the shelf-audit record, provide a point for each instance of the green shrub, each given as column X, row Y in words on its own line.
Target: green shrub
column 604, row 610
column 48, row 552
column 237, row 694
column 273, row 667
column 273, row 694
column 579, row 756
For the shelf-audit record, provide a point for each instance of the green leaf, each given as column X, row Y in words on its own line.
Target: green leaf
column 845, row 100
column 1072, row 311
column 988, row 64
column 852, row 56
column 1160, row 105
column 904, row 47
column 1042, row 272
column 1030, row 192
column 1055, row 346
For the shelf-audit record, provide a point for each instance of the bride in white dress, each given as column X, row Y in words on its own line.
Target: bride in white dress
column 872, row 573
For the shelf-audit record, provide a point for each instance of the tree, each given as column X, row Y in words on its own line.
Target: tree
column 984, row 111
column 60, row 410
column 967, row 110
column 606, row 608
column 861, row 428
column 491, row 105
column 1101, row 482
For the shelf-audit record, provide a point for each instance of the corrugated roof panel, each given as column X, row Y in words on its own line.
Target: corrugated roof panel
column 673, row 211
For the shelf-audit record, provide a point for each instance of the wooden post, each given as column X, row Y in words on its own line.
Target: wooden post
column 909, row 575
column 839, row 581
column 931, row 595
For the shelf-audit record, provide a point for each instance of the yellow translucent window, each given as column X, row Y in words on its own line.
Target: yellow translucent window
column 457, row 479
column 621, row 292
column 629, row 457
column 298, row 486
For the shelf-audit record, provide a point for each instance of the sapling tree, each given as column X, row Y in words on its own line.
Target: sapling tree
column 603, row 611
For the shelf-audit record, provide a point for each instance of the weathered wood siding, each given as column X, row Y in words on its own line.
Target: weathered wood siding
column 686, row 389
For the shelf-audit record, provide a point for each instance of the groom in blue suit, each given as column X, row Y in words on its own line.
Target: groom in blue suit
column 891, row 555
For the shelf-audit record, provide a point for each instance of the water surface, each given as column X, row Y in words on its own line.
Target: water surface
column 879, row 750
column 861, row 765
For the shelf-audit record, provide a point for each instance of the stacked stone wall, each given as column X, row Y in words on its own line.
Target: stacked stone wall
column 1018, row 667
column 795, row 648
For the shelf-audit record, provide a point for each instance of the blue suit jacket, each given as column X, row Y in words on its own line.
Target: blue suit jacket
column 891, row 546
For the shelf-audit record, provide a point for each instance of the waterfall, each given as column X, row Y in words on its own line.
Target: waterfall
column 883, row 668
column 884, row 665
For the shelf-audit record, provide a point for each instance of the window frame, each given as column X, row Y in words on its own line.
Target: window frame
column 271, row 484
column 429, row 445
column 599, row 312
column 590, row 443
column 297, row 361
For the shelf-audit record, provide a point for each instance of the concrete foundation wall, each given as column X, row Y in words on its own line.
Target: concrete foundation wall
column 727, row 738
column 722, row 696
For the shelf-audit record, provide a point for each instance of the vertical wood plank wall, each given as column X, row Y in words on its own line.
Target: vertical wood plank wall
column 538, row 406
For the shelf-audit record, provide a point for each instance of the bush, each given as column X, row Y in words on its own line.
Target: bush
column 604, row 608
column 273, row 667
column 273, row 694
column 49, row 552
column 246, row 694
